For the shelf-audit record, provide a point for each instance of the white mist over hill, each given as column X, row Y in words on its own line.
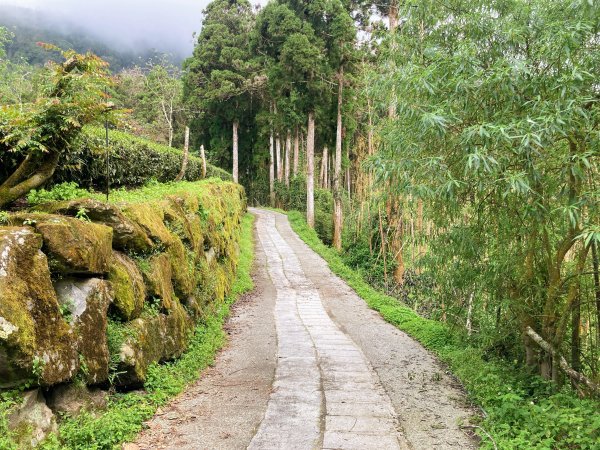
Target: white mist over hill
column 164, row 25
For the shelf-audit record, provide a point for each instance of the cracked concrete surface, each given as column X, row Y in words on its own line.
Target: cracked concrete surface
column 310, row 366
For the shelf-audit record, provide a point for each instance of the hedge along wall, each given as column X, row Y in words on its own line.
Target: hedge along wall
column 133, row 161
column 98, row 291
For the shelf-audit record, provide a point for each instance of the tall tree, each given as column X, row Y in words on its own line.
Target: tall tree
column 219, row 76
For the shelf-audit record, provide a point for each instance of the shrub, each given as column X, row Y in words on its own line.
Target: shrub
column 133, row 162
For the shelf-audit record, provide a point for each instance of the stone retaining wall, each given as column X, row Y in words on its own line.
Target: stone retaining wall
column 97, row 292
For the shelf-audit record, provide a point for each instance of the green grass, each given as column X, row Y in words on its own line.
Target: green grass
column 521, row 411
column 126, row 412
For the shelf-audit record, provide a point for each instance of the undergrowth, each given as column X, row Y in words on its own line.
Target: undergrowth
column 519, row 411
column 127, row 411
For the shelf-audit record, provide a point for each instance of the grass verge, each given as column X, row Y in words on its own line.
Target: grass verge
column 520, row 410
column 126, row 412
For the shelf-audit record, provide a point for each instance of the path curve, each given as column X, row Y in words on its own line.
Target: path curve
column 315, row 368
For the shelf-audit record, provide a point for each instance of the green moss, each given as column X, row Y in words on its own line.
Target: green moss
column 127, row 412
column 150, row 217
column 32, row 328
column 128, row 287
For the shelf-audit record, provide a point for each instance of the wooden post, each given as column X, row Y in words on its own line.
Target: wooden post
column 186, row 155
column 203, row 156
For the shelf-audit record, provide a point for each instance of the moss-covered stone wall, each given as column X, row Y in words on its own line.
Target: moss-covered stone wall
column 97, row 292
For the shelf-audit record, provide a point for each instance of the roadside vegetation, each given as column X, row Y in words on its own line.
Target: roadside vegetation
column 517, row 410
column 127, row 411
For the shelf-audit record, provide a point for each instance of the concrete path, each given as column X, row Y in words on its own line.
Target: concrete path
column 310, row 366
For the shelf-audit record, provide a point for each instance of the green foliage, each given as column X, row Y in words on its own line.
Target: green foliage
column 127, row 411
column 64, row 191
column 521, row 411
column 134, row 162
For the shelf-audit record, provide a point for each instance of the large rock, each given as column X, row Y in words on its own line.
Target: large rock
column 184, row 223
column 73, row 246
column 128, row 287
column 127, row 235
column 35, row 342
column 72, row 399
column 183, row 268
column 150, row 217
column 153, row 339
column 32, row 420
column 87, row 302
column 158, row 275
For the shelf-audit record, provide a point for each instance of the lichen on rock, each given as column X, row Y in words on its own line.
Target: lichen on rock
column 127, row 235
column 36, row 343
column 87, row 303
column 128, row 287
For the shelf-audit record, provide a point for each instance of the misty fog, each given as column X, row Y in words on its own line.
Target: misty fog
column 165, row 25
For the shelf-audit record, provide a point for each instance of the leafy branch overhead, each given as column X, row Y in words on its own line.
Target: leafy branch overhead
column 40, row 133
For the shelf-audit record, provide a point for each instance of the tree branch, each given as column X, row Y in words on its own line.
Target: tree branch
column 562, row 362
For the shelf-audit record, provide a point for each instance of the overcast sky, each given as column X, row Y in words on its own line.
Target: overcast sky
column 163, row 24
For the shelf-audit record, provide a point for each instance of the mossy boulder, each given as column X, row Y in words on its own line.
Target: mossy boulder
column 85, row 304
column 73, row 246
column 35, row 341
column 158, row 276
column 182, row 269
column 152, row 339
column 150, row 217
column 128, row 287
column 127, row 235
column 73, row 399
column 183, row 222
column 32, row 421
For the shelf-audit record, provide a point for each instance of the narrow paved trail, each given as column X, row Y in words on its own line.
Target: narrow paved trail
column 309, row 366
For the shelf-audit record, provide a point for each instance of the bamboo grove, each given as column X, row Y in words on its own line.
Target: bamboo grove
column 448, row 149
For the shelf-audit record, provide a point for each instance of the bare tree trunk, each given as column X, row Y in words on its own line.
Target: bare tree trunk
column 203, row 156
column 337, row 171
column 236, row 125
column 288, row 149
column 596, row 285
column 575, row 337
column 323, row 174
column 393, row 15
column 31, row 174
column 186, row 155
column 272, row 169
column 310, row 171
column 278, row 158
column 296, row 152
column 470, row 314
column 562, row 362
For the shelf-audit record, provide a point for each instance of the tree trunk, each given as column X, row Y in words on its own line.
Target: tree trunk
column 279, row 169
column 288, row 149
column 562, row 362
column 30, row 174
column 296, row 152
column 337, row 171
column 470, row 314
column 393, row 15
column 323, row 174
column 236, row 125
column 203, row 156
column 596, row 285
column 272, row 169
column 575, row 337
column 186, row 155
column 310, row 171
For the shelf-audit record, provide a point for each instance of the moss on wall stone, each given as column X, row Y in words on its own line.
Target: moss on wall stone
column 36, row 344
column 128, row 287
column 147, row 266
